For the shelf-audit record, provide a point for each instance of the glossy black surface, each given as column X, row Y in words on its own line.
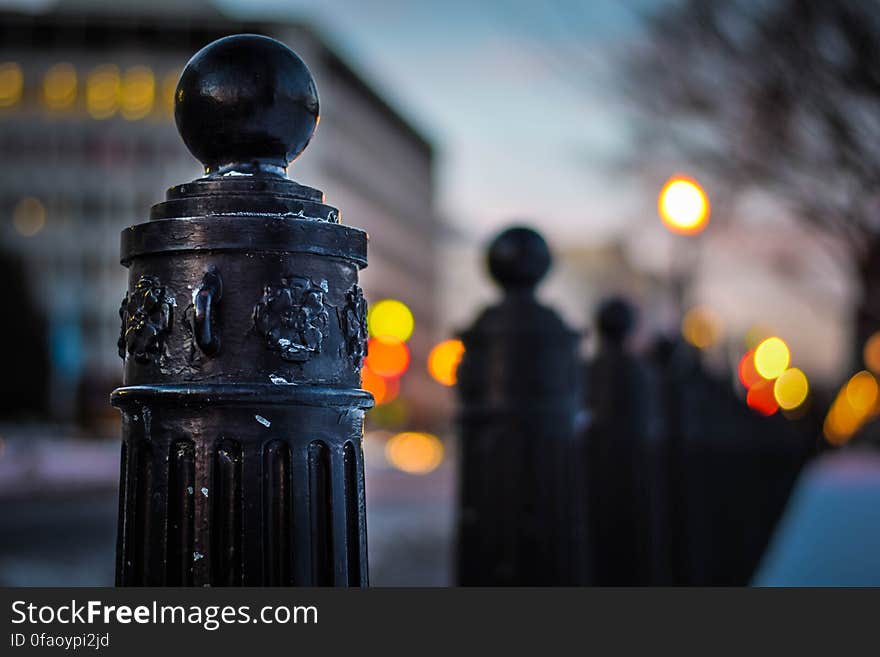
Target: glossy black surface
column 246, row 102
column 243, row 334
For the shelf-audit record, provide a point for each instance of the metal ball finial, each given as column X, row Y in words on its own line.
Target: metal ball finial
column 615, row 319
column 246, row 103
column 519, row 258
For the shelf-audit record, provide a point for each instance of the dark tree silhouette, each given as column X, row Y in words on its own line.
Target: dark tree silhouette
column 778, row 96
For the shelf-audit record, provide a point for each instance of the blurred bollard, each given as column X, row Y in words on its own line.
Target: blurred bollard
column 619, row 399
column 681, row 396
column 521, row 513
column 739, row 470
column 719, row 475
column 243, row 332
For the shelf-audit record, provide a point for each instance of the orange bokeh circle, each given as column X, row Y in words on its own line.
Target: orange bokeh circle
column 387, row 357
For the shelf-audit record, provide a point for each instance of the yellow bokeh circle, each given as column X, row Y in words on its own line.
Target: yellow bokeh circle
column 60, row 86
column 791, row 389
column 414, row 452
column 701, row 327
column 390, row 318
column 772, row 357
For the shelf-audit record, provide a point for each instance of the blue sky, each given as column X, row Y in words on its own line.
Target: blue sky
column 519, row 98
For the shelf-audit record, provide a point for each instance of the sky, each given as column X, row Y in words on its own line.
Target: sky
column 518, row 97
column 524, row 105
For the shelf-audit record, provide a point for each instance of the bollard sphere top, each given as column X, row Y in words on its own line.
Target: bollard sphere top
column 246, row 103
column 615, row 318
column 519, row 258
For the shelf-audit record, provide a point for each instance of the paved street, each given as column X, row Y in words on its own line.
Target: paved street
column 52, row 536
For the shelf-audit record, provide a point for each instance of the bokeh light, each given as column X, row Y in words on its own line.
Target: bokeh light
column 871, row 353
column 683, row 206
column 414, row 452
column 748, row 375
column 862, row 391
column 137, row 93
column 29, row 216
column 855, row 404
column 443, row 361
column 791, row 389
column 374, row 384
column 761, row 399
column 390, row 318
column 383, row 390
column 59, row 87
column 701, row 327
column 387, row 357
column 772, row 357
column 103, row 91
column 841, row 423
column 11, row 84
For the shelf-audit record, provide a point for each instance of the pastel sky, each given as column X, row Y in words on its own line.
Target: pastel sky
column 523, row 103
column 518, row 97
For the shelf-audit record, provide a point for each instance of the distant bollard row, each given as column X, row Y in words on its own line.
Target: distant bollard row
column 521, row 519
column 671, row 481
column 721, row 474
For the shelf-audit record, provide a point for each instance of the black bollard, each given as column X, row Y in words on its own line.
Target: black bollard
column 720, row 475
column 243, row 334
column 520, row 517
column 684, row 392
column 623, row 418
column 739, row 469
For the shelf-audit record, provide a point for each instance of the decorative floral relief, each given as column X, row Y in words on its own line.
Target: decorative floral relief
column 146, row 320
column 292, row 319
column 354, row 325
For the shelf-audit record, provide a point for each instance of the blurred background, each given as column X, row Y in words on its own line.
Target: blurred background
column 713, row 162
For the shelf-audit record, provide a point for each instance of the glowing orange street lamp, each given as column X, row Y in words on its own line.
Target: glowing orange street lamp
column 684, row 209
column 683, row 206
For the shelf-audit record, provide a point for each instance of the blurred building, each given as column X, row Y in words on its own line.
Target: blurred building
column 88, row 143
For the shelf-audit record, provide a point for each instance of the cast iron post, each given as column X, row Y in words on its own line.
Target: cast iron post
column 520, row 520
column 243, row 332
column 622, row 418
column 683, row 394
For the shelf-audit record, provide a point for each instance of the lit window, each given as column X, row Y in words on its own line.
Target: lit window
column 138, row 92
column 11, row 84
column 29, row 216
column 103, row 91
column 59, row 87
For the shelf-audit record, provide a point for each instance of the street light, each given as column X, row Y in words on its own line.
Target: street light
column 684, row 208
